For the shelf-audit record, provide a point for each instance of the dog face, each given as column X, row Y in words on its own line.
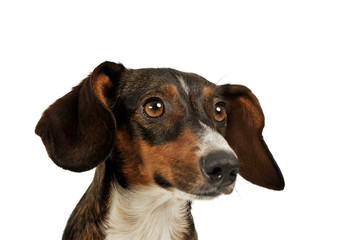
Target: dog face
column 161, row 127
column 171, row 133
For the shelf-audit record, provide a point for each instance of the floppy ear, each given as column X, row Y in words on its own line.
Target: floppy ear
column 79, row 129
column 245, row 122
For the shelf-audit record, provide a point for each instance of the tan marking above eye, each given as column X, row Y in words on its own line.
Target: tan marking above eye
column 219, row 112
column 154, row 108
column 208, row 92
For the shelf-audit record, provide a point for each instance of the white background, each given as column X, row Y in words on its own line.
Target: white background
column 296, row 56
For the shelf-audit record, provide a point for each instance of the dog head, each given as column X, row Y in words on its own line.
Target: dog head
column 161, row 127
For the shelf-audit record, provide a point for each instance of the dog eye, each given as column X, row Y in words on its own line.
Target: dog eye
column 219, row 112
column 154, row 108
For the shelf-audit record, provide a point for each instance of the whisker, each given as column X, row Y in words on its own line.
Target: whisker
column 238, row 194
column 229, row 73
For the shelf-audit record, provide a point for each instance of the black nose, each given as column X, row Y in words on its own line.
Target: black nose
column 220, row 168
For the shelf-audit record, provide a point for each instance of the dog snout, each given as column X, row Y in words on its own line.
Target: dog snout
column 220, row 168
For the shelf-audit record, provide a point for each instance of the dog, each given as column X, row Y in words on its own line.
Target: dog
column 159, row 139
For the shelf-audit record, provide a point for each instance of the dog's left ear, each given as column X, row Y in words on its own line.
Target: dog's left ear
column 245, row 122
column 79, row 129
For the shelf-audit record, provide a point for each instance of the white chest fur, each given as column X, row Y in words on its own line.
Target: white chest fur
column 151, row 213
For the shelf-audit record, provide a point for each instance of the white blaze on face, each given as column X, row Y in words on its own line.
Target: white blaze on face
column 212, row 141
column 183, row 85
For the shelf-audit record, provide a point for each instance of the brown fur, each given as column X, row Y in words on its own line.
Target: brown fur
column 102, row 84
column 167, row 159
column 88, row 218
column 257, row 163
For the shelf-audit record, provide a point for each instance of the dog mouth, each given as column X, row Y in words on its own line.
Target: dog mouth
column 210, row 192
column 196, row 189
column 204, row 192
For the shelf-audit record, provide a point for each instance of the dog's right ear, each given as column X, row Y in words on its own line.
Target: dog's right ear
column 79, row 129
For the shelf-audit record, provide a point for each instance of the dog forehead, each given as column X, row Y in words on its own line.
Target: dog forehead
column 140, row 81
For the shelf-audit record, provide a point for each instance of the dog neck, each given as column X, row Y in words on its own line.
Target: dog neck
column 148, row 213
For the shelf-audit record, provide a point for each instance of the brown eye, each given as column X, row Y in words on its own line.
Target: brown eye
column 219, row 112
column 154, row 108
